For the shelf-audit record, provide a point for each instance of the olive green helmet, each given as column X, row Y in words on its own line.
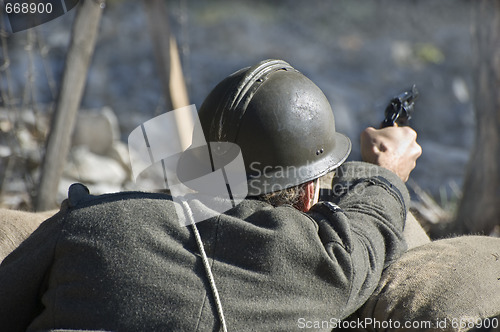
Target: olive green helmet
column 281, row 121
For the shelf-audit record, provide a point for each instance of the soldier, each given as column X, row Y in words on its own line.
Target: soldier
column 280, row 260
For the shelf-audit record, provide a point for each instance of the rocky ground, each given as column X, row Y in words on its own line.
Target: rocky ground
column 360, row 53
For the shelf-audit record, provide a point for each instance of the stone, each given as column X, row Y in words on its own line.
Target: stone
column 97, row 129
column 88, row 167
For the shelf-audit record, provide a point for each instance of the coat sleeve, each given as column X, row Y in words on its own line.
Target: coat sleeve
column 23, row 275
column 361, row 225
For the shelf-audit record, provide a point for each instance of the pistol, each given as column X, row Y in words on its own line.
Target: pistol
column 400, row 108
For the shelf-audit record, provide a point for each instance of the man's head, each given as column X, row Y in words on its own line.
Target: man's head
column 283, row 124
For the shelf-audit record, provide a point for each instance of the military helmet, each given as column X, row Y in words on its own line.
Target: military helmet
column 281, row 121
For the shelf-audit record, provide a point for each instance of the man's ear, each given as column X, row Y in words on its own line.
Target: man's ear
column 308, row 198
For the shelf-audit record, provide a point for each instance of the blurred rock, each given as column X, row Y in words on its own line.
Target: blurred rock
column 401, row 52
column 26, row 139
column 119, row 152
column 18, row 200
column 5, row 151
column 97, row 157
column 35, row 123
column 460, row 90
column 5, row 125
column 96, row 129
column 88, row 167
column 33, row 160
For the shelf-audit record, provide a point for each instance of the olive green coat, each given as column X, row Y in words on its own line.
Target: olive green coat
column 122, row 262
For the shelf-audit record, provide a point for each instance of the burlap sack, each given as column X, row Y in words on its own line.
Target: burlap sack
column 413, row 233
column 445, row 285
column 16, row 226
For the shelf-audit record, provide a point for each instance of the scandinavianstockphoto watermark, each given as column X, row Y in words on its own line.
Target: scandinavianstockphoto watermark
column 205, row 179
column 265, row 178
column 209, row 178
column 365, row 323
column 375, row 324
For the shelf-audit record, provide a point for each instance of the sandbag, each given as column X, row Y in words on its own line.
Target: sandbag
column 16, row 226
column 446, row 285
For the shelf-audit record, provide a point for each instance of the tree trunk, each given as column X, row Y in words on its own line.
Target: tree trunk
column 84, row 35
column 479, row 210
column 160, row 34
column 169, row 68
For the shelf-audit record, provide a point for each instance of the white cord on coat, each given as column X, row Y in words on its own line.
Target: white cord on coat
column 206, row 264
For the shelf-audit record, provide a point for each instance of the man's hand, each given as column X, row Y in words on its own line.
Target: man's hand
column 394, row 148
